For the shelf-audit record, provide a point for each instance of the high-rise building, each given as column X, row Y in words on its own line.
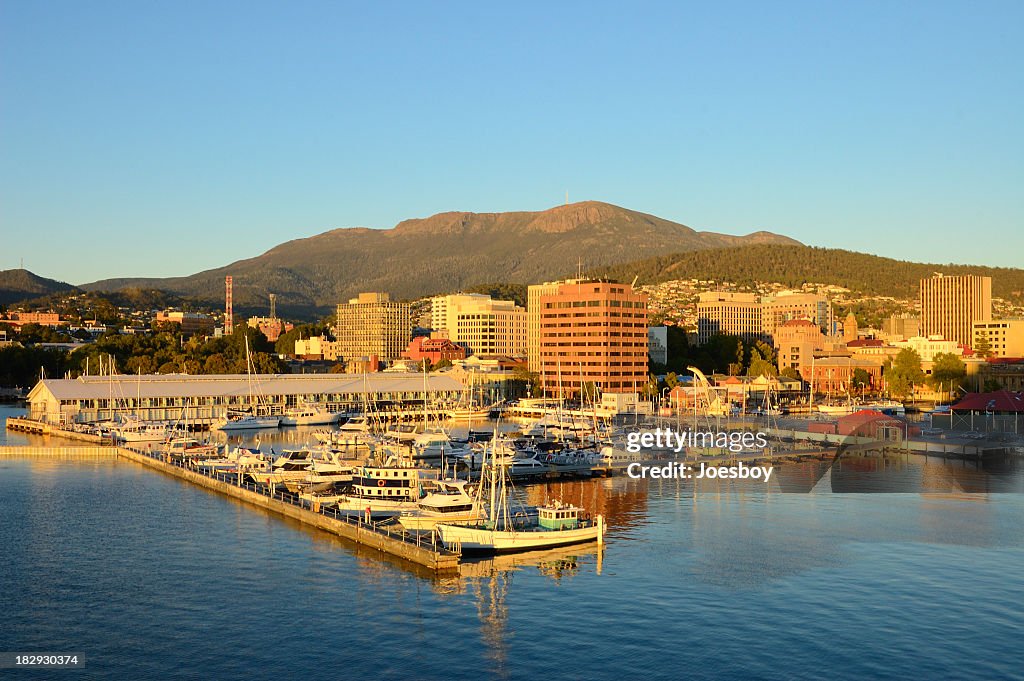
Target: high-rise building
column 901, row 327
column 593, row 332
column 480, row 324
column 533, row 295
column 789, row 305
column 951, row 305
column 735, row 314
column 999, row 337
column 373, row 325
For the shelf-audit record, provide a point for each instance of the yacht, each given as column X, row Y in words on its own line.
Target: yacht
column 356, row 424
column 309, row 415
column 447, row 502
column 241, row 460
column 245, row 421
column 290, row 467
column 181, row 448
column 137, row 430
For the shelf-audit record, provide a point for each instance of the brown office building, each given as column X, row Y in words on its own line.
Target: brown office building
column 593, row 332
column 951, row 305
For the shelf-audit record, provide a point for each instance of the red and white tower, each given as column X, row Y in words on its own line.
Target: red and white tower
column 229, row 314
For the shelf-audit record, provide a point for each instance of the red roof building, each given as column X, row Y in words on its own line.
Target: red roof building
column 434, row 349
column 998, row 402
column 871, row 423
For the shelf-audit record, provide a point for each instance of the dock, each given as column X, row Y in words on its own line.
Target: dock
column 413, row 547
column 33, row 427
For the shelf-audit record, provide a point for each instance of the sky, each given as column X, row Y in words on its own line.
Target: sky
column 161, row 139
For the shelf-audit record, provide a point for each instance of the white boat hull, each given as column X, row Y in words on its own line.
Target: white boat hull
column 482, row 540
column 324, row 419
column 248, row 423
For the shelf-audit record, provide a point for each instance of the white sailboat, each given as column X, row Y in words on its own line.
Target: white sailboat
column 252, row 419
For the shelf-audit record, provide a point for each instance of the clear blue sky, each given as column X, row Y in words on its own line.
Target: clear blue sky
column 165, row 138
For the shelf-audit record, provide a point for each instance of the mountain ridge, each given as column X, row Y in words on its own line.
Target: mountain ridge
column 443, row 252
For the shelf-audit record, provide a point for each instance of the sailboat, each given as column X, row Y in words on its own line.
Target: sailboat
column 555, row 524
column 247, row 420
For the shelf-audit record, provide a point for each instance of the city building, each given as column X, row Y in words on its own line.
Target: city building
column 1006, row 374
column 482, row 325
column 850, row 328
column 928, row 347
column 19, row 319
column 727, row 313
column 796, row 341
column 951, row 305
column 271, row 327
column 901, row 327
column 316, row 347
column 533, row 296
column 434, row 350
column 190, row 322
column 786, row 306
column 657, row 344
column 593, row 332
column 999, row 337
column 834, row 375
column 373, row 325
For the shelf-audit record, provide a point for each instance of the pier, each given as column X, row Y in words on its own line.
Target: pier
column 413, row 547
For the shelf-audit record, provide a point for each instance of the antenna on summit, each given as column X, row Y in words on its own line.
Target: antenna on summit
column 567, row 197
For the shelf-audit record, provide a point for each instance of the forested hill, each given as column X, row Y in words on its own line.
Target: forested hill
column 796, row 265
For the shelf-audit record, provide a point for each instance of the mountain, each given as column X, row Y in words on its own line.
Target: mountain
column 795, row 265
column 442, row 253
column 19, row 285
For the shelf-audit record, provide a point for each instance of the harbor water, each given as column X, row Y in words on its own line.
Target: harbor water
column 151, row 578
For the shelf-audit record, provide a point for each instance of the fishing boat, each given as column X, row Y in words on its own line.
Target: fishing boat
column 555, row 524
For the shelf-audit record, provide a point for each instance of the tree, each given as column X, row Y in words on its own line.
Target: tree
column 759, row 364
column 861, row 379
column 671, row 380
column 790, row 372
column 948, row 372
column 904, row 372
column 215, row 364
column 991, row 385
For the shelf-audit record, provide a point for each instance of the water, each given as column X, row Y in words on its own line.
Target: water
column 152, row 578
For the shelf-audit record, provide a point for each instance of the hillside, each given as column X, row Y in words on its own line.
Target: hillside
column 445, row 252
column 19, row 285
column 795, row 265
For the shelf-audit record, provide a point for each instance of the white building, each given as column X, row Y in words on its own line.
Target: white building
column 928, row 347
column 482, row 325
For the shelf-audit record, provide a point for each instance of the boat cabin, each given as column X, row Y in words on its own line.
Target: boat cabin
column 558, row 517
